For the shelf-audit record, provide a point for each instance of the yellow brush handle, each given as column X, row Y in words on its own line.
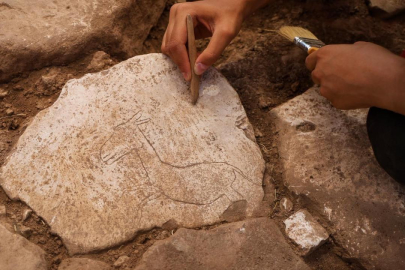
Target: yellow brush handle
column 312, row 49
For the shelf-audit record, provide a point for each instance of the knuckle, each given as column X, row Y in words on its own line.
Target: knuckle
column 322, row 52
column 174, row 9
column 228, row 32
column 172, row 47
column 317, row 75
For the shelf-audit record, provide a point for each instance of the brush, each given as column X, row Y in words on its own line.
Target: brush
column 302, row 37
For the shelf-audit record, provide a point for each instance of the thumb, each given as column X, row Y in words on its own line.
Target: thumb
column 220, row 39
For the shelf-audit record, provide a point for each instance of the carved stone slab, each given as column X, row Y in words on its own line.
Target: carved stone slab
column 124, row 150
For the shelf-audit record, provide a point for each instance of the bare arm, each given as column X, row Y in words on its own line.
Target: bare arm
column 221, row 19
column 360, row 75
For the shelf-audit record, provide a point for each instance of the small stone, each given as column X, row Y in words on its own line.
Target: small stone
column 3, row 210
column 26, row 214
column 100, row 61
column 305, row 231
column 42, row 240
column 286, row 205
column 265, row 102
column 389, row 7
column 121, row 260
column 269, row 189
column 3, row 93
column 18, row 88
column 57, row 260
column 258, row 133
column 294, row 86
column 9, row 112
column 25, row 231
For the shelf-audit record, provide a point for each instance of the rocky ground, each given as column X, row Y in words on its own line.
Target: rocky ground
column 324, row 202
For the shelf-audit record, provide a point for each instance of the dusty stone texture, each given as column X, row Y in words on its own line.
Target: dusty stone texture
column 3, row 210
column 254, row 244
column 17, row 253
column 83, row 264
column 391, row 7
column 124, row 150
column 34, row 34
column 305, row 231
column 328, row 160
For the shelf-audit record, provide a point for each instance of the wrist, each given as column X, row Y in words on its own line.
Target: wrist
column 395, row 90
column 399, row 95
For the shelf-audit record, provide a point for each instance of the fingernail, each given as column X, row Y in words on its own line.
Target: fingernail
column 200, row 68
column 186, row 76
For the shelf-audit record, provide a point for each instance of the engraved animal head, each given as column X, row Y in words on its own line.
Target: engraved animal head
column 126, row 138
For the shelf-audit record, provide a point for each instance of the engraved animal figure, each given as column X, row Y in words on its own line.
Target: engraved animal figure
column 195, row 183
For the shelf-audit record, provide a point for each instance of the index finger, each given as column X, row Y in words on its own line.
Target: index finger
column 311, row 61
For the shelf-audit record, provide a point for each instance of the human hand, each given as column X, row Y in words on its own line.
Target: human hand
column 361, row 75
column 221, row 19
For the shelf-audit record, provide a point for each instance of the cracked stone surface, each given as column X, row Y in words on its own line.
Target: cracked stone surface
column 389, row 6
column 328, row 159
column 83, row 264
column 254, row 244
column 40, row 33
column 305, row 231
column 124, row 150
column 17, row 253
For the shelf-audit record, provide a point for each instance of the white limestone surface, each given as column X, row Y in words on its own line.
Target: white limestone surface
column 124, row 150
column 303, row 229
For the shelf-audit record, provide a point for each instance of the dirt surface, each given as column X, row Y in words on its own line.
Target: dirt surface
column 265, row 70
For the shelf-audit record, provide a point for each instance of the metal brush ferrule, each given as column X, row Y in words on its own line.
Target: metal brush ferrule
column 307, row 43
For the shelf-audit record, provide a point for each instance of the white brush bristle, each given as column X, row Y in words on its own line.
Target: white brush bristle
column 291, row 32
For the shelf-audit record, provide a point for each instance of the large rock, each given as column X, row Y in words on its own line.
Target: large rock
column 34, row 34
column 124, row 150
column 83, row 264
column 255, row 244
column 328, row 159
column 17, row 253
